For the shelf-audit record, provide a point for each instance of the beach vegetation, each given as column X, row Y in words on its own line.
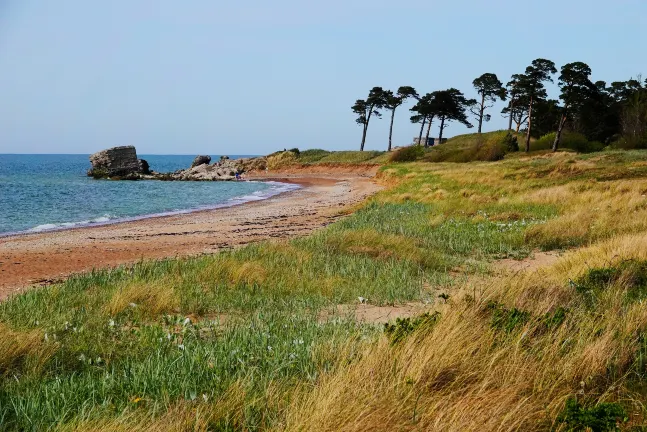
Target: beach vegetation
column 274, row 336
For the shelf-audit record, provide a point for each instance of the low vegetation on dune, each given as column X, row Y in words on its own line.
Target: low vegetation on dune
column 294, row 157
column 266, row 337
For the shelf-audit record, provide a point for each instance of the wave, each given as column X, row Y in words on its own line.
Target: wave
column 275, row 188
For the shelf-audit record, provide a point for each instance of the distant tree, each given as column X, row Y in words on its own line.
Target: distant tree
column 633, row 117
column 365, row 108
column 393, row 101
column 425, row 110
column 576, row 90
column 490, row 89
column 531, row 87
column 517, row 109
column 450, row 105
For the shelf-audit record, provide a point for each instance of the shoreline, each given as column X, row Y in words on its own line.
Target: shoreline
column 41, row 258
column 231, row 202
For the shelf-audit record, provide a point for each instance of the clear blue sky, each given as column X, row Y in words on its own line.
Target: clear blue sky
column 231, row 77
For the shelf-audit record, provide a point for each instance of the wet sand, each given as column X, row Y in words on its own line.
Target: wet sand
column 41, row 258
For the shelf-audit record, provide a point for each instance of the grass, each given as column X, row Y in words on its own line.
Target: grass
column 324, row 157
column 251, row 339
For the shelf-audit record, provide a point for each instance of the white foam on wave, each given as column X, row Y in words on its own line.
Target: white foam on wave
column 275, row 188
column 49, row 227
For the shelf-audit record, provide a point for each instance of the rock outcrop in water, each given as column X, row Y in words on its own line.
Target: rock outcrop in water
column 224, row 169
column 121, row 163
column 118, row 162
column 200, row 160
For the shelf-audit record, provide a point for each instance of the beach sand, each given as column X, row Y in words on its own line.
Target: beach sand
column 42, row 258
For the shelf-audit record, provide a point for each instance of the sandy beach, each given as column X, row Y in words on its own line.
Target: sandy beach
column 42, row 258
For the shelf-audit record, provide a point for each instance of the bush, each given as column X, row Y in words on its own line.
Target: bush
column 601, row 418
column 630, row 143
column 569, row 140
column 405, row 326
column 510, row 143
column 407, row 154
column 295, row 151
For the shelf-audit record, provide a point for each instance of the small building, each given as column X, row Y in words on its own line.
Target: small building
column 430, row 141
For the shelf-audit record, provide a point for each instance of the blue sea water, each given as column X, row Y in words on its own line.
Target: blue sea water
column 43, row 192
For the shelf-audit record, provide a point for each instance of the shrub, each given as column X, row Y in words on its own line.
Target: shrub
column 405, row 326
column 601, row 418
column 569, row 140
column 295, row 151
column 630, row 143
column 407, row 154
column 506, row 319
column 510, row 142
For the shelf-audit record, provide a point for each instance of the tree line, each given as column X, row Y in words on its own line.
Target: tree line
column 615, row 113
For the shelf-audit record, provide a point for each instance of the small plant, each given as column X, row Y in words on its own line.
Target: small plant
column 600, row 418
column 506, row 319
column 405, row 326
column 295, row 151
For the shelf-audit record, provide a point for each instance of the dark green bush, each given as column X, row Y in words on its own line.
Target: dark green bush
column 295, row 151
column 510, row 143
column 630, row 143
column 569, row 140
column 407, row 154
column 405, row 326
column 600, row 418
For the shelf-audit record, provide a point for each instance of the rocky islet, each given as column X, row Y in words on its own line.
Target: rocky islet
column 121, row 163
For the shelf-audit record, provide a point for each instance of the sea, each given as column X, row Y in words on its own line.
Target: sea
column 52, row 192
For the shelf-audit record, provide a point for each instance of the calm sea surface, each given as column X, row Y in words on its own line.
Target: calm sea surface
column 43, row 192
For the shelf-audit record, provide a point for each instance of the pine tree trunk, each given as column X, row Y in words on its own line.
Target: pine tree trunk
column 391, row 128
column 481, row 112
column 428, row 129
column 361, row 147
column 368, row 119
column 442, row 126
column 558, row 135
column 529, row 126
column 422, row 128
column 511, row 106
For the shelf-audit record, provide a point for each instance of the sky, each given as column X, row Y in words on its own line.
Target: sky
column 251, row 77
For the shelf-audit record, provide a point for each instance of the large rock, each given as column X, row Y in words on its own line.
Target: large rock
column 201, row 160
column 116, row 162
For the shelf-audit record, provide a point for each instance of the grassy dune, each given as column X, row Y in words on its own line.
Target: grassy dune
column 251, row 339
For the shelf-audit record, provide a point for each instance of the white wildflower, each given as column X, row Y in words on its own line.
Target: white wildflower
column 181, row 347
column 132, row 305
column 111, row 323
column 362, row 300
column 187, row 321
